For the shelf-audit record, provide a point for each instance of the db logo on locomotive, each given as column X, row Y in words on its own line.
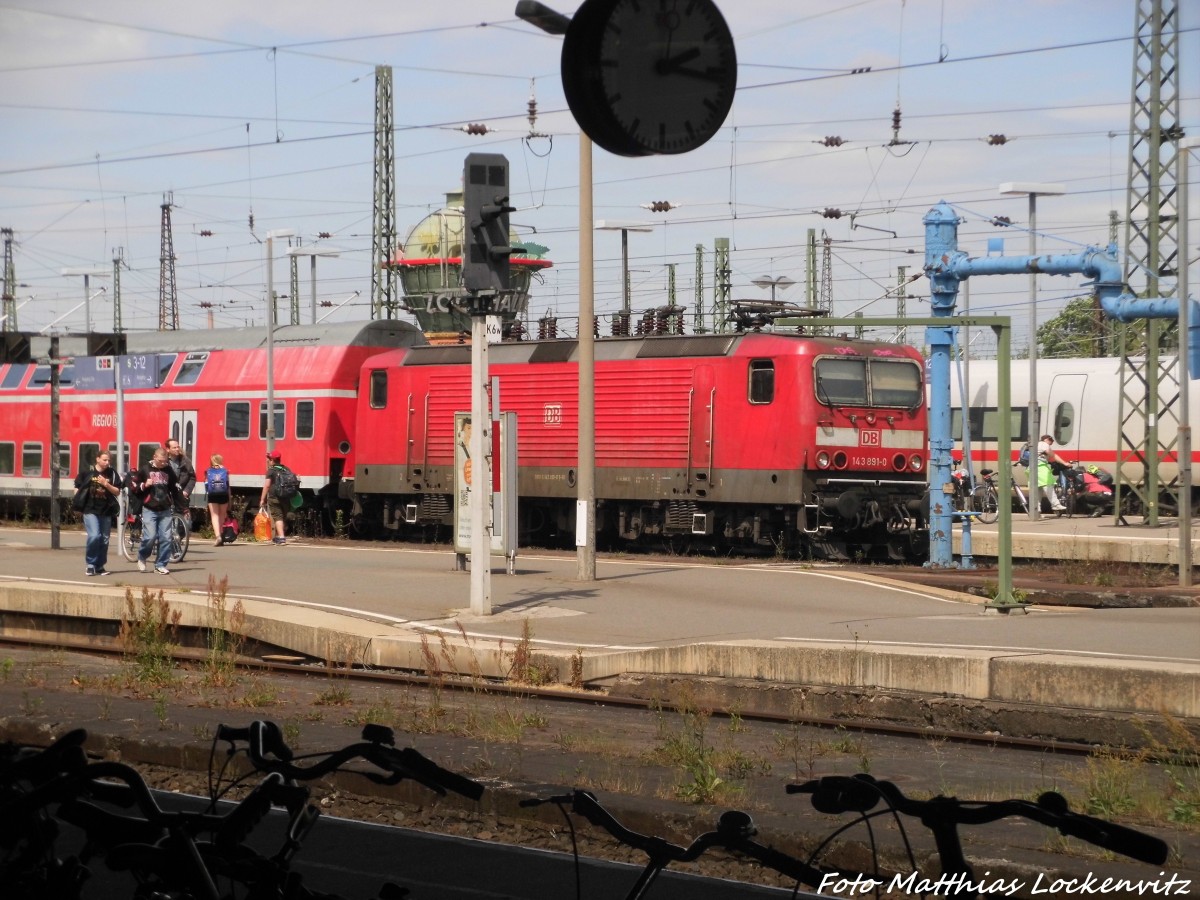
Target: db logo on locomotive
column 870, row 439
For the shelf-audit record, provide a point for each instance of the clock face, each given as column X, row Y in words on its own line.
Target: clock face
column 649, row 76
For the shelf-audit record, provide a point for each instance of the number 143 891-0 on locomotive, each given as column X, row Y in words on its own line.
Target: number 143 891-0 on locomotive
column 756, row 441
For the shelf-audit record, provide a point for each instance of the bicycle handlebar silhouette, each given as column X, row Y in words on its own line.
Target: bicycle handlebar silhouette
column 735, row 832
column 942, row 815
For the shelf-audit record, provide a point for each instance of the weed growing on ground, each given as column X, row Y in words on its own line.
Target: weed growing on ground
column 147, row 634
column 226, row 635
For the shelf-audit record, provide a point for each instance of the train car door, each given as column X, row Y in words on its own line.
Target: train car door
column 1061, row 420
column 182, row 428
column 700, row 424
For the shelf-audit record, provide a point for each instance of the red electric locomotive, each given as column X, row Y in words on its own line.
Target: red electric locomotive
column 206, row 388
column 766, row 441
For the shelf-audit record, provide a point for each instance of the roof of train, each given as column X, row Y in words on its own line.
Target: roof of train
column 659, row 346
column 375, row 333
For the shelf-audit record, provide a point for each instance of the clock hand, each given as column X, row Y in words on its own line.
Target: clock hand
column 705, row 75
column 670, row 63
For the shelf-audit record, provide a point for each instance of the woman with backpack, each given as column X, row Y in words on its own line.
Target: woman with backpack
column 216, row 489
column 97, row 488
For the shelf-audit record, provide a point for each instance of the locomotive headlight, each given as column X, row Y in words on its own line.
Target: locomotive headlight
column 916, row 462
column 823, row 460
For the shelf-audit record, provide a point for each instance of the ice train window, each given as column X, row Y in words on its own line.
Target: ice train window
column 896, row 383
column 762, row 381
column 841, row 382
column 1063, row 423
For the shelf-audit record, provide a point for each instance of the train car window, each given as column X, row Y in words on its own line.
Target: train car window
column 985, row 423
column 112, row 456
column 8, row 458
column 14, row 376
column 762, row 381
column 896, row 383
column 841, row 382
column 165, row 361
column 280, row 419
column 1063, row 424
column 305, row 419
column 378, row 388
column 31, row 460
column 41, row 377
column 146, row 453
column 237, row 420
column 87, row 455
column 193, row 365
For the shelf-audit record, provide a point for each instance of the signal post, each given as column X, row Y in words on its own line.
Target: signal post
column 485, row 276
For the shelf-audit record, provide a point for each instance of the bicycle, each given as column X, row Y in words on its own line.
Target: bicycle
column 860, row 794
column 735, row 832
column 129, row 533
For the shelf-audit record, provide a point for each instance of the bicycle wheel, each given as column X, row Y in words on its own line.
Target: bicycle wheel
column 180, row 538
column 984, row 502
column 131, row 540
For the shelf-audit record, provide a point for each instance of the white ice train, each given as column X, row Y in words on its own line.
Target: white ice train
column 1079, row 407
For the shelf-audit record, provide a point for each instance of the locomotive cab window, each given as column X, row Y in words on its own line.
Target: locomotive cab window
column 761, row 388
column 8, row 458
column 378, row 388
column 305, row 419
column 896, row 383
column 841, row 382
column 237, row 420
column 193, row 365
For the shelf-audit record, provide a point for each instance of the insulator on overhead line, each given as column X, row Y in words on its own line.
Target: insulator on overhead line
column 659, row 206
column 475, row 128
column 832, row 141
column 997, row 140
column 1001, row 221
column 860, row 71
column 204, row 232
column 831, row 212
column 324, row 235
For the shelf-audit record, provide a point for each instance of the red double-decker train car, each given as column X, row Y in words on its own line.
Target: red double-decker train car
column 765, row 441
column 205, row 388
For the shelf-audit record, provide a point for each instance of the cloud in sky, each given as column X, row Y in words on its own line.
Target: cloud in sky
column 268, row 108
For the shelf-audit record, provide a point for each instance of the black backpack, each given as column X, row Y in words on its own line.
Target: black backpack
column 285, row 485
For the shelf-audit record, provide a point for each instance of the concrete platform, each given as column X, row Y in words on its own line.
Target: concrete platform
column 771, row 630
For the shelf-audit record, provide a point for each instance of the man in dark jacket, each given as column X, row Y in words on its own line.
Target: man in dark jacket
column 159, row 489
column 185, row 475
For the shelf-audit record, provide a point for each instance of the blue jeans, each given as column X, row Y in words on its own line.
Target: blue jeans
column 156, row 524
column 98, row 528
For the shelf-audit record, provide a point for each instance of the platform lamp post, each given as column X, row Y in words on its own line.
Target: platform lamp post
column 624, row 228
column 88, row 274
column 1032, row 190
column 556, row 23
column 271, row 236
column 779, row 281
column 312, row 253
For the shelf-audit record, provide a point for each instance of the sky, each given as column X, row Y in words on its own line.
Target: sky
column 258, row 117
